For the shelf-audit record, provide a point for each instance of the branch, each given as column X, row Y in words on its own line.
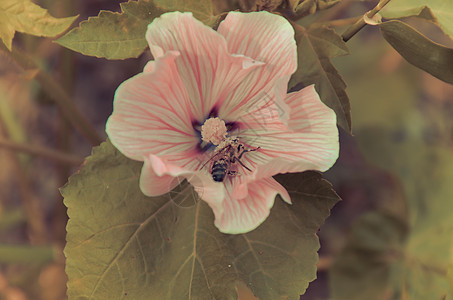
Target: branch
column 51, row 154
column 356, row 27
column 32, row 204
column 57, row 93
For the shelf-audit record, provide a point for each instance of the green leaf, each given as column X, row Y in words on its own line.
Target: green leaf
column 26, row 17
column 440, row 11
column 315, row 47
column 122, row 35
column 419, row 50
column 113, row 35
column 121, row 244
column 201, row 9
column 450, row 267
column 277, row 260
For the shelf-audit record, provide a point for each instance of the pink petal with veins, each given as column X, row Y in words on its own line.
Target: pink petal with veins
column 241, row 73
column 208, row 70
column 159, row 177
column 268, row 38
column 245, row 214
column 310, row 142
column 150, row 113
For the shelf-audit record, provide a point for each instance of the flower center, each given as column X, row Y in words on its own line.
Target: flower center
column 213, row 131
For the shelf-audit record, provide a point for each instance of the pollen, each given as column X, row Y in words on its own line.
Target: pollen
column 213, row 131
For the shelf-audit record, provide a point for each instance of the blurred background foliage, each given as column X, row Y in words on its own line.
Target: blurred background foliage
column 390, row 237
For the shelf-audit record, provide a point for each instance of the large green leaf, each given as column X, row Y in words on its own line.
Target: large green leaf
column 113, row 35
column 419, row 50
column 450, row 266
column 315, row 47
column 27, row 17
column 440, row 11
column 121, row 244
column 122, row 35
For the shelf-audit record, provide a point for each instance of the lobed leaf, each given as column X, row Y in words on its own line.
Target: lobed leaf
column 122, row 244
column 419, row 50
column 439, row 11
column 122, row 35
column 315, row 47
column 26, row 17
column 450, row 267
column 278, row 259
column 113, row 35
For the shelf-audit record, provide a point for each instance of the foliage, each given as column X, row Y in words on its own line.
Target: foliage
column 306, row 7
column 315, row 48
column 394, row 249
column 438, row 11
column 123, row 243
column 202, row 10
column 412, row 45
column 122, row 35
column 26, row 17
column 113, row 35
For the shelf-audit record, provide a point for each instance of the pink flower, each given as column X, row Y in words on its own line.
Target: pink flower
column 212, row 108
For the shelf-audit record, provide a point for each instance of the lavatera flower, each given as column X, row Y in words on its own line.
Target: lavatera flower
column 212, row 108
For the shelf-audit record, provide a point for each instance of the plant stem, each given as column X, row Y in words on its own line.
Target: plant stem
column 57, row 93
column 58, row 156
column 31, row 203
column 356, row 27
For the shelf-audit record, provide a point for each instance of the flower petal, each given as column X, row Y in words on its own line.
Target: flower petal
column 244, row 215
column 159, row 177
column 268, row 38
column 149, row 67
column 151, row 115
column 310, row 142
column 207, row 69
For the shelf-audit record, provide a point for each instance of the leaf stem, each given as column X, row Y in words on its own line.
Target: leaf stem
column 58, row 156
column 356, row 27
column 57, row 93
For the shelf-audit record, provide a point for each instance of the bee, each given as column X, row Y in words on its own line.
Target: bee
column 227, row 153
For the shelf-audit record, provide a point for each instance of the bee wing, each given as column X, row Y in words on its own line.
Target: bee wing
column 215, row 155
